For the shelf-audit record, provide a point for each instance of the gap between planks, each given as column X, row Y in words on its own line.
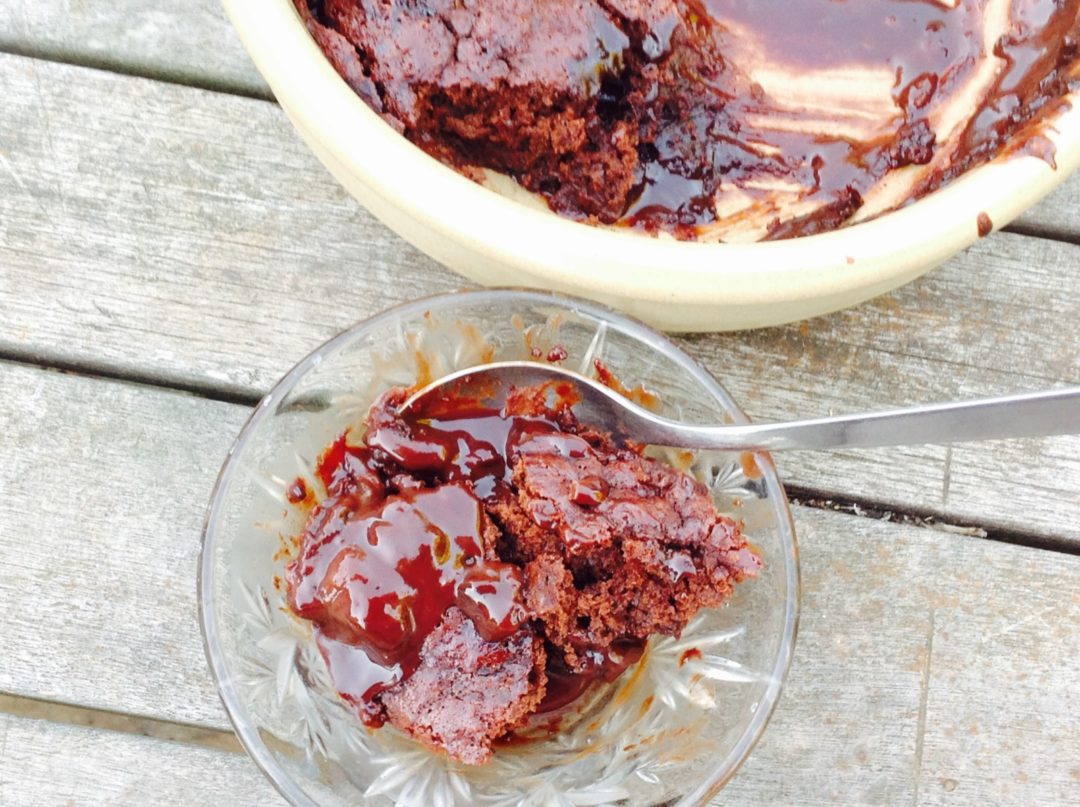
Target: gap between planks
column 222, row 394
column 927, row 518
column 70, row 715
column 798, row 495
column 1034, row 230
column 164, row 76
column 222, row 87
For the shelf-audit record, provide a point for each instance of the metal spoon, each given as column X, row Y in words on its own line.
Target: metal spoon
column 1033, row 414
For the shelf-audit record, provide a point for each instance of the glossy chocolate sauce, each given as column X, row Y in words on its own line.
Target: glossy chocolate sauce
column 402, row 536
column 711, row 119
column 932, row 53
column 378, row 584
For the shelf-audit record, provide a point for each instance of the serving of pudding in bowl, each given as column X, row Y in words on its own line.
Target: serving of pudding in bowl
column 762, row 132
column 472, row 604
column 477, row 566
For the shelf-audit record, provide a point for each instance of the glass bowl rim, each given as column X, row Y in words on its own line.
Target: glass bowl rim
column 239, row 717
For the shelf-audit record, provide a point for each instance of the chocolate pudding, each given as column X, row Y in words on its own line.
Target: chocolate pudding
column 731, row 120
column 471, row 567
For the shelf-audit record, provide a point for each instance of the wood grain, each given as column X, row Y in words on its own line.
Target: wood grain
column 46, row 764
column 151, row 224
column 994, row 321
column 929, row 670
column 190, row 42
column 102, row 491
column 187, row 238
column 909, row 636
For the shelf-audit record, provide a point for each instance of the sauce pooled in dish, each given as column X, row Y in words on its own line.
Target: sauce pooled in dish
column 733, row 120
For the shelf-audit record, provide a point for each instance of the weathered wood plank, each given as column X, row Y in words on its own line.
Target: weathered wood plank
column 929, row 670
column 994, row 321
column 190, row 42
column 108, row 213
column 988, row 727
column 44, row 764
column 904, row 630
column 103, row 490
column 188, row 238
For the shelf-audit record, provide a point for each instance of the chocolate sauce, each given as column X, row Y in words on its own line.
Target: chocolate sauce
column 490, row 595
column 381, row 580
column 691, row 654
column 383, row 560
column 297, row 491
column 556, row 354
column 453, row 439
column 687, row 116
column 565, row 687
column 929, row 49
column 1038, row 53
column 913, row 37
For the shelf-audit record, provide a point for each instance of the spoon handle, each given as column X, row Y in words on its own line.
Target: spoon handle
column 1033, row 414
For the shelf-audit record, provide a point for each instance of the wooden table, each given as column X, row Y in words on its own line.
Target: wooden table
column 168, row 248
